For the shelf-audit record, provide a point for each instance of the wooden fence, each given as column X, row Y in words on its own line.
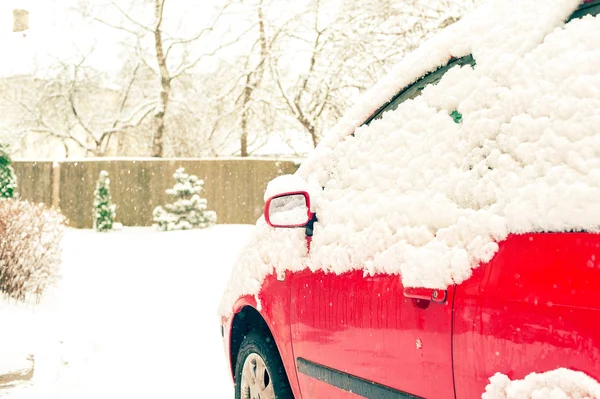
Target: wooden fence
column 234, row 188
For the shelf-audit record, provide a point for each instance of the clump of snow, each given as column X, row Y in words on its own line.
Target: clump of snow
column 556, row 384
column 285, row 184
column 287, row 251
column 417, row 194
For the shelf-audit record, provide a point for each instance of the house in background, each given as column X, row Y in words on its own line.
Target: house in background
column 20, row 20
column 16, row 48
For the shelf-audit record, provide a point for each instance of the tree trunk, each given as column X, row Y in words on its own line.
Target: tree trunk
column 252, row 81
column 309, row 126
column 313, row 135
column 244, row 122
column 165, row 83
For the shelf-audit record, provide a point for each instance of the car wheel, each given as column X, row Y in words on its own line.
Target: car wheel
column 259, row 370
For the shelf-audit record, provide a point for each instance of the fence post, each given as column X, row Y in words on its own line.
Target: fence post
column 56, row 185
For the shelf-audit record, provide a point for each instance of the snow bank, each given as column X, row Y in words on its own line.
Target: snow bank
column 555, row 384
column 133, row 316
column 15, row 363
column 419, row 195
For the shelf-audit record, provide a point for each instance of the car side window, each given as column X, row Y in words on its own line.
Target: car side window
column 588, row 8
column 416, row 88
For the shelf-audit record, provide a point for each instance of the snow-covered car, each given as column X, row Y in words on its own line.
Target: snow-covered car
column 442, row 240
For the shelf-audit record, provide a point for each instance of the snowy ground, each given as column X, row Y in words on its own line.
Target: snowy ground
column 133, row 316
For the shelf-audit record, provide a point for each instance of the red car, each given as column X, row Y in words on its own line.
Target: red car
column 526, row 317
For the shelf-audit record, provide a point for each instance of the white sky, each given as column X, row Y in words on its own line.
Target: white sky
column 51, row 35
column 56, row 31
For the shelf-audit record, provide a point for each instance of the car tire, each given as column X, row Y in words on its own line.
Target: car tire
column 259, row 369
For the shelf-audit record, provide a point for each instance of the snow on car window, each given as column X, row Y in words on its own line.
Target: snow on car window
column 439, row 195
column 435, row 196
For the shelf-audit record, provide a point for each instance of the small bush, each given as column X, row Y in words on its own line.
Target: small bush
column 189, row 211
column 104, row 210
column 30, row 252
column 8, row 180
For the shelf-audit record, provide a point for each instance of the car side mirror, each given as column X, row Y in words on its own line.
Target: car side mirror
column 288, row 210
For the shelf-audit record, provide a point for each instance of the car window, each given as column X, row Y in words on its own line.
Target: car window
column 588, row 8
column 415, row 89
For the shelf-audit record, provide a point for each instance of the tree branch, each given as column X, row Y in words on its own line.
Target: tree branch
column 118, row 27
column 183, row 69
column 181, row 41
column 130, row 19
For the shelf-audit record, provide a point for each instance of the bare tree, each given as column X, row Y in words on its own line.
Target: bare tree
column 344, row 55
column 165, row 80
column 253, row 78
column 289, row 70
column 234, row 102
column 72, row 105
column 172, row 56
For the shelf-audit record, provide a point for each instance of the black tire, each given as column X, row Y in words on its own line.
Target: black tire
column 263, row 346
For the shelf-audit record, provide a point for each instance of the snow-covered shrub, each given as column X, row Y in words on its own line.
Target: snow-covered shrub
column 189, row 209
column 30, row 253
column 104, row 210
column 8, row 180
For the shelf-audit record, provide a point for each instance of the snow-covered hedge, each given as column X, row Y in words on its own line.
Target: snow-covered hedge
column 30, row 237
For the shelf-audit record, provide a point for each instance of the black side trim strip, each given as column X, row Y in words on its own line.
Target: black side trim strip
column 350, row 383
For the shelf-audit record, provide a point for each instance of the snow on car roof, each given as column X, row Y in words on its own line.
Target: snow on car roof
column 417, row 193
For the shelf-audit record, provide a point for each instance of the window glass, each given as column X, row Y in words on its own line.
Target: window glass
column 417, row 88
column 589, row 8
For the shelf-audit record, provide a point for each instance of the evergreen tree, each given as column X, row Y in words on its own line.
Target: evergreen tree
column 104, row 210
column 189, row 209
column 8, row 180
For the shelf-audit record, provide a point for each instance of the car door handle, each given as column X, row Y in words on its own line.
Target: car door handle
column 426, row 294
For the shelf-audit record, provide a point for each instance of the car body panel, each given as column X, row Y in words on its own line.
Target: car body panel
column 227, row 327
column 532, row 308
column 366, row 327
column 273, row 306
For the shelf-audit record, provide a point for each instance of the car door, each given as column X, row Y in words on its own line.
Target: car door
column 367, row 336
column 532, row 308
